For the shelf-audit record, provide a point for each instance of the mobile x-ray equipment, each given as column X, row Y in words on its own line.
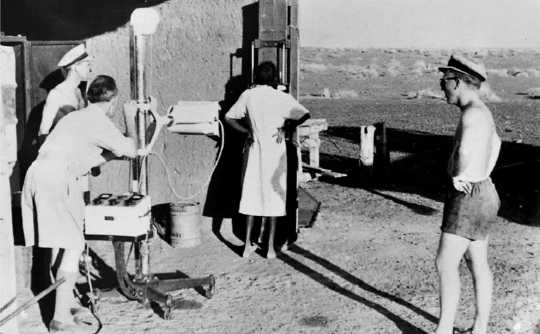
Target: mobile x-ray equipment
column 127, row 218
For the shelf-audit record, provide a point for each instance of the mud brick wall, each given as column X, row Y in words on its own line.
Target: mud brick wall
column 8, row 152
column 7, row 85
column 190, row 61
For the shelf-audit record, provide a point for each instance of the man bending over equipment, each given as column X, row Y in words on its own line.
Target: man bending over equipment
column 52, row 201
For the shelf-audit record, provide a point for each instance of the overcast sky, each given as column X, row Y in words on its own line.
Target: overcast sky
column 420, row 23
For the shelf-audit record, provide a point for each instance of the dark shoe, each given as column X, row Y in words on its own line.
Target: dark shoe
column 60, row 327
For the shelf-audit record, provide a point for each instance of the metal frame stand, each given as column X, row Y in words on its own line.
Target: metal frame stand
column 144, row 286
column 147, row 287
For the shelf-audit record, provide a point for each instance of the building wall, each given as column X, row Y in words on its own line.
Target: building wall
column 8, row 145
column 190, row 61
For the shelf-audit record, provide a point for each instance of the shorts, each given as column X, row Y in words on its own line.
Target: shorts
column 470, row 215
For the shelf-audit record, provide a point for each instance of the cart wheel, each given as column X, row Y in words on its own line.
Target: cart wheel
column 211, row 288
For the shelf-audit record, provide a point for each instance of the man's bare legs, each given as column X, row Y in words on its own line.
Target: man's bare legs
column 451, row 250
column 249, row 247
column 68, row 269
column 477, row 261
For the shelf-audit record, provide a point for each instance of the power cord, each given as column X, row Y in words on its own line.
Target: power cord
column 92, row 295
column 200, row 190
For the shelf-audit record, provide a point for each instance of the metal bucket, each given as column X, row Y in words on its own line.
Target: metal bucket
column 185, row 222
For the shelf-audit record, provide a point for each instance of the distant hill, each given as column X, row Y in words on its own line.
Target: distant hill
column 411, row 73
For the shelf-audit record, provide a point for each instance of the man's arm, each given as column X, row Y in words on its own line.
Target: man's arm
column 108, row 137
column 51, row 107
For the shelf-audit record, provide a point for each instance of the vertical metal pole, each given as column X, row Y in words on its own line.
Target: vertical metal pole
column 142, row 115
column 134, row 163
column 284, row 64
column 140, row 87
column 252, row 61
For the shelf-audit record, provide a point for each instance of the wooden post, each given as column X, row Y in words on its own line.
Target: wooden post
column 367, row 149
column 382, row 154
column 314, row 146
column 311, row 129
column 294, row 54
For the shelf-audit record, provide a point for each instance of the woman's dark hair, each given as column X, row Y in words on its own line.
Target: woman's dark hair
column 102, row 89
column 266, row 74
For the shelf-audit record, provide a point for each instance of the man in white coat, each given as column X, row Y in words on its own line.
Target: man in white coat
column 52, row 202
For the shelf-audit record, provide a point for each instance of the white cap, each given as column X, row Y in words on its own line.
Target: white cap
column 463, row 65
column 74, row 55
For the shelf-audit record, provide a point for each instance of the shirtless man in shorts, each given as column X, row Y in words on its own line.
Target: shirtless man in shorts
column 472, row 202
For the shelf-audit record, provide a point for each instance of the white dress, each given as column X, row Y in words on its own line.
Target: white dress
column 264, row 186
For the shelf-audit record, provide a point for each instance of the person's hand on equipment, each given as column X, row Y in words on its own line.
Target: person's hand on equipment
column 144, row 151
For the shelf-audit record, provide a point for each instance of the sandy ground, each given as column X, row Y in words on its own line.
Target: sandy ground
column 367, row 266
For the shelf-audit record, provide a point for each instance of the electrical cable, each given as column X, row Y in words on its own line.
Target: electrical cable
column 31, row 301
column 92, row 297
column 139, row 185
column 200, row 190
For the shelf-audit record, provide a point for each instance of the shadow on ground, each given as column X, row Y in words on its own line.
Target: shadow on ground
column 404, row 326
column 419, row 167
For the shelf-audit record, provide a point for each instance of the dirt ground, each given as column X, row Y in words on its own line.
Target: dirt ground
column 367, row 265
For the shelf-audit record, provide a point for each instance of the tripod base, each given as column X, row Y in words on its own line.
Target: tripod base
column 150, row 288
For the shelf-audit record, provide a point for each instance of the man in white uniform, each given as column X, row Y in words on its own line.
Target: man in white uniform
column 269, row 113
column 472, row 202
column 52, row 194
column 66, row 96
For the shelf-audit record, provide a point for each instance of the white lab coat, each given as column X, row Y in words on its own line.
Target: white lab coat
column 52, row 190
column 264, row 186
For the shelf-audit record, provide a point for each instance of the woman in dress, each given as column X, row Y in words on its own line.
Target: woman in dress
column 268, row 113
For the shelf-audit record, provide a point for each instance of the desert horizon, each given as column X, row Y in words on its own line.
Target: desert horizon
column 398, row 73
